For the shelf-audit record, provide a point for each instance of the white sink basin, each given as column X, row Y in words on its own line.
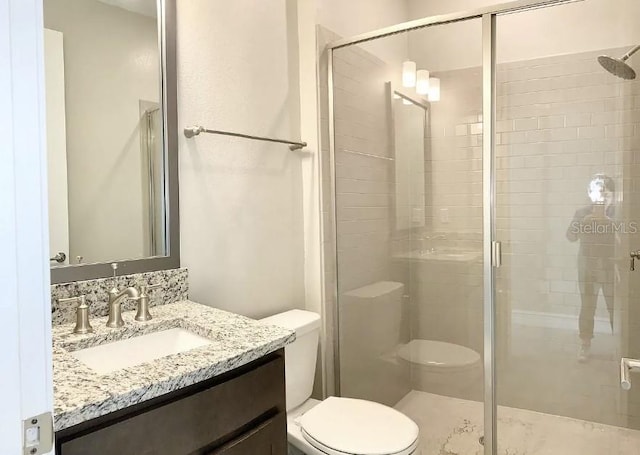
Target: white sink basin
column 110, row 357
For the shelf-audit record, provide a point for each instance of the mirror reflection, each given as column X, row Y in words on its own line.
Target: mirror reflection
column 104, row 131
column 410, row 133
column 594, row 228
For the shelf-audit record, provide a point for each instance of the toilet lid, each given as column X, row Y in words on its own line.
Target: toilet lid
column 438, row 354
column 339, row 426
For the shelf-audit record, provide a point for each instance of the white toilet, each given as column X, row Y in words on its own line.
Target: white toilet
column 443, row 368
column 335, row 426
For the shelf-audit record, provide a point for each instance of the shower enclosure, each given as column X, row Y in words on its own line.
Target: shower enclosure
column 484, row 217
column 153, row 168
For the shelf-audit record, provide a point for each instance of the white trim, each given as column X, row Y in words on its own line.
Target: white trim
column 25, row 308
column 311, row 172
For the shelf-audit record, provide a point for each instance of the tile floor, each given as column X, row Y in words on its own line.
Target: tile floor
column 450, row 426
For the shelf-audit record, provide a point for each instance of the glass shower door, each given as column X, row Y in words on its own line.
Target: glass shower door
column 409, row 228
column 567, row 213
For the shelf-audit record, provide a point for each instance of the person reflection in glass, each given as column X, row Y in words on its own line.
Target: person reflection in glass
column 594, row 227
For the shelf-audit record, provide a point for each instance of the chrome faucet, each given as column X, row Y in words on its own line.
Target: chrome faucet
column 426, row 245
column 115, row 304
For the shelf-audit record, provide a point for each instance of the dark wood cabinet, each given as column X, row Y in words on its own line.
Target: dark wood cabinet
column 240, row 412
column 260, row 440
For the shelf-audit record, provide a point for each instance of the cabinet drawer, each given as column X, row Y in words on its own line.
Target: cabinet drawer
column 268, row 438
column 192, row 422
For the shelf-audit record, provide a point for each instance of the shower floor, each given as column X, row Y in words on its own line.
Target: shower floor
column 450, row 426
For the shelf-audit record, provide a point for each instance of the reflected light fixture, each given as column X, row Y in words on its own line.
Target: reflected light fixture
column 409, row 74
column 422, row 82
column 598, row 187
column 406, row 102
column 434, row 89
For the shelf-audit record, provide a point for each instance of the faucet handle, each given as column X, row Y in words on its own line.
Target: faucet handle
column 145, row 288
column 82, row 314
column 114, row 267
column 143, row 302
column 79, row 299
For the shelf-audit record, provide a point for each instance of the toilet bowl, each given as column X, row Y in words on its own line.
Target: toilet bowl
column 335, row 426
column 443, row 368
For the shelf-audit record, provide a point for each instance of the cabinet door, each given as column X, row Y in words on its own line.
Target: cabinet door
column 268, row 438
column 187, row 425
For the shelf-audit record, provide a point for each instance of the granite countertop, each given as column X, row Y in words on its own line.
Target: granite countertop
column 81, row 394
column 448, row 255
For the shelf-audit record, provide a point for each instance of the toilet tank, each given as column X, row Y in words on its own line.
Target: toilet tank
column 300, row 356
column 370, row 332
column 370, row 320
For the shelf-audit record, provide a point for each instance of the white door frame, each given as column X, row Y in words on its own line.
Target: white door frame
column 26, row 384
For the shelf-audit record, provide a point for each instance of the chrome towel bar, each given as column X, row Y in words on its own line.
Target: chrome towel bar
column 195, row 130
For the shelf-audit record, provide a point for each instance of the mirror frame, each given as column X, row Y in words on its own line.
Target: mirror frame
column 392, row 90
column 169, row 95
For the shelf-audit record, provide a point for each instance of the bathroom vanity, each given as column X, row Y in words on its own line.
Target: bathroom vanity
column 226, row 396
column 193, row 379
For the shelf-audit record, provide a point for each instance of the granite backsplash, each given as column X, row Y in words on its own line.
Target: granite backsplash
column 174, row 286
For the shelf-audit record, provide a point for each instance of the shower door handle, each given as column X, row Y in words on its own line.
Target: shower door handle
column 496, row 254
column 633, row 255
column 626, row 367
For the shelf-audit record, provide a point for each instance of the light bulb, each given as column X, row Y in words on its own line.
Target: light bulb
column 422, row 82
column 434, row 89
column 597, row 189
column 409, row 74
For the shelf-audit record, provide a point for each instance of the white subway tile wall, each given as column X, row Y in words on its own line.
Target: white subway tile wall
column 577, row 120
column 446, row 295
column 365, row 189
column 434, row 300
column 560, row 120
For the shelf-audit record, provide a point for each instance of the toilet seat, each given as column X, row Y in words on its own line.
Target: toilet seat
column 347, row 426
column 439, row 355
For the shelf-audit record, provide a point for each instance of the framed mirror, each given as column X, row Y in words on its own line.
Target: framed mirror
column 110, row 83
column 409, row 135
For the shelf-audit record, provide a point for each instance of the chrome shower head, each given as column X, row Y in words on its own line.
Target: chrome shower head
column 618, row 66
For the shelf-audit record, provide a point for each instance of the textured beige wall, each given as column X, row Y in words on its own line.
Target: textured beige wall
column 565, row 29
column 240, row 200
column 353, row 17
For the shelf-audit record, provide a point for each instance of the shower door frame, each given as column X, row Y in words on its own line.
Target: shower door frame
column 490, row 244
